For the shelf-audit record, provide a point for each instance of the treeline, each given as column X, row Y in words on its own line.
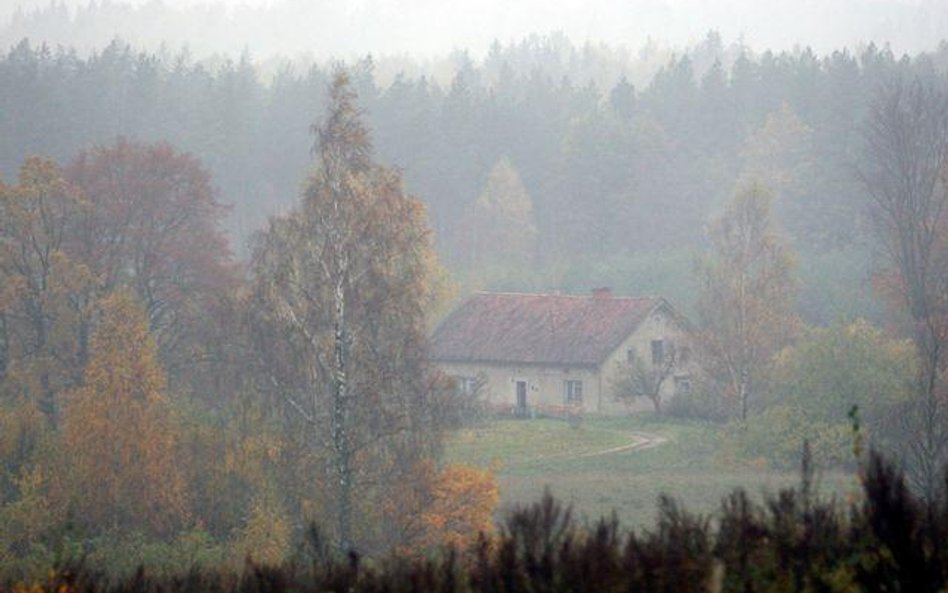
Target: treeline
column 886, row 540
column 610, row 171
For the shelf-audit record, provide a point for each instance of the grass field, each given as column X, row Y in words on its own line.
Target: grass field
column 530, row 455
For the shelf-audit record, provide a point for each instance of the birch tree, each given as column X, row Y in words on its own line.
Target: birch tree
column 342, row 286
column 747, row 293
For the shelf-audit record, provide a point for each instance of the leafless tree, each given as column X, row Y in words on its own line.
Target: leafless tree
column 637, row 378
column 905, row 172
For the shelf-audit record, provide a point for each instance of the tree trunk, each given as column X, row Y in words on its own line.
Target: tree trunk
column 935, row 435
column 4, row 346
column 657, row 402
column 47, row 402
column 340, row 420
column 743, row 394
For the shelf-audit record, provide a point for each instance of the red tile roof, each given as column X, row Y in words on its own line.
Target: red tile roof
column 539, row 328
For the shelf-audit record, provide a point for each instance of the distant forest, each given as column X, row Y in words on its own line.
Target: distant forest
column 616, row 181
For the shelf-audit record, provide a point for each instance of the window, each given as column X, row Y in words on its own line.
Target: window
column 630, row 355
column 573, row 392
column 466, row 385
column 658, row 351
column 682, row 385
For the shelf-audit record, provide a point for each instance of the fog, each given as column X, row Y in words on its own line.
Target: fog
column 299, row 282
column 428, row 28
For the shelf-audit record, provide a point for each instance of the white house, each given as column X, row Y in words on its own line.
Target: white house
column 536, row 351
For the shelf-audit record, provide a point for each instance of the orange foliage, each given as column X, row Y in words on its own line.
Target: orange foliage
column 450, row 506
column 120, row 433
column 464, row 500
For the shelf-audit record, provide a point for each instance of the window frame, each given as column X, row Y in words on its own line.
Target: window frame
column 466, row 385
column 572, row 391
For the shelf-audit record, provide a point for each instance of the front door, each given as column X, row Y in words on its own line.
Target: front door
column 521, row 398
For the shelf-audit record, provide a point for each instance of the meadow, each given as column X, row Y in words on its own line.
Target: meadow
column 624, row 464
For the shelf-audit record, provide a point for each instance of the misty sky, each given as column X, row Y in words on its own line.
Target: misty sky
column 429, row 27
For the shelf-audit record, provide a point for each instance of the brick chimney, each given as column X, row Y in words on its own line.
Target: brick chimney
column 603, row 292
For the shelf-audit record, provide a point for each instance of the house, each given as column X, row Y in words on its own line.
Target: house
column 527, row 352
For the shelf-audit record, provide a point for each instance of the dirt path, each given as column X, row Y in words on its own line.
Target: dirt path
column 640, row 442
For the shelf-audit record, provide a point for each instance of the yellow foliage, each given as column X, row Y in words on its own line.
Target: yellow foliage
column 42, row 288
column 266, row 536
column 120, row 432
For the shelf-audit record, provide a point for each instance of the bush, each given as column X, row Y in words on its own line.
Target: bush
column 701, row 403
column 775, row 437
column 794, row 541
column 811, row 387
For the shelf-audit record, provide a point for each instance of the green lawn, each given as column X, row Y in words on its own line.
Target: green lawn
column 530, row 455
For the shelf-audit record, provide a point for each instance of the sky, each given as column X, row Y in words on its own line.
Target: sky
column 430, row 27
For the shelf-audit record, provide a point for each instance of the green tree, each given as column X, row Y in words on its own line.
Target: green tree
column 814, row 383
column 829, row 370
column 343, row 284
column 747, row 295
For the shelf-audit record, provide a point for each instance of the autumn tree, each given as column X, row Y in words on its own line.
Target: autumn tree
column 905, row 173
column 500, row 226
column 153, row 224
column 342, row 285
column 778, row 153
column 747, row 293
column 447, row 506
column 41, row 284
column 120, row 431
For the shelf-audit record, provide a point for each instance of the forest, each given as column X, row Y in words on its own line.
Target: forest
column 219, row 278
column 563, row 118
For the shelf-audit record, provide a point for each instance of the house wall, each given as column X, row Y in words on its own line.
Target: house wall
column 660, row 325
column 545, row 384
